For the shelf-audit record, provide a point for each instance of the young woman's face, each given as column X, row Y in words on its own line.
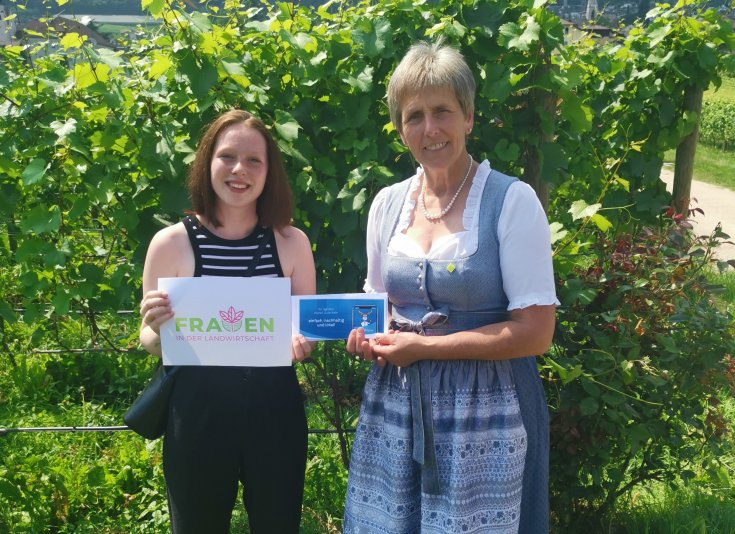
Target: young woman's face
column 434, row 128
column 239, row 166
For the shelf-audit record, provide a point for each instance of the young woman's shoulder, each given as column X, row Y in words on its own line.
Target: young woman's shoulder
column 293, row 236
column 294, row 251
column 171, row 251
column 171, row 238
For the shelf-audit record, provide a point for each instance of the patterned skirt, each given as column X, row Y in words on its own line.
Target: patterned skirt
column 440, row 448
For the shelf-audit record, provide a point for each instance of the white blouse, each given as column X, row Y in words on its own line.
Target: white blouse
column 523, row 234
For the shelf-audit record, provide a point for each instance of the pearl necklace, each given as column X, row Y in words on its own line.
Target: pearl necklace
column 442, row 213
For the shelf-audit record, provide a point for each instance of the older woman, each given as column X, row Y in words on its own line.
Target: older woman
column 453, row 430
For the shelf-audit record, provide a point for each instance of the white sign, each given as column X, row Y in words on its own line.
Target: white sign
column 222, row 320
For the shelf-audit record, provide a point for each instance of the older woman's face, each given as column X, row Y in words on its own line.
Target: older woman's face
column 434, row 128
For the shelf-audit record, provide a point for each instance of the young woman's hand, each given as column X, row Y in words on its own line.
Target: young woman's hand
column 300, row 348
column 155, row 309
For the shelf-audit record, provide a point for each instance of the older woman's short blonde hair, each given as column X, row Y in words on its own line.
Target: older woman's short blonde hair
column 430, row 66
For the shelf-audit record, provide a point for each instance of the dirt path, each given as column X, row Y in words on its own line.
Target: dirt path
column 718, row 204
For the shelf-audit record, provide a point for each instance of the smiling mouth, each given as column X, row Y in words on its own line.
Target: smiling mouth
column 436, row 146
column 238, row 186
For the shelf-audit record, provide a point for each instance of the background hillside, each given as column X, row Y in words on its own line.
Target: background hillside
column 36, row 9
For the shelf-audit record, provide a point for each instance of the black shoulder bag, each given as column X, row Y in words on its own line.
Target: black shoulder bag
column 148, row 415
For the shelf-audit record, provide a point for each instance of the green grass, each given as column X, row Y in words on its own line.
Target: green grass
column 711, row 165
column 114, row 29
column 726, row 91
column 705, row 506
column 678, row 512
column 727, row 281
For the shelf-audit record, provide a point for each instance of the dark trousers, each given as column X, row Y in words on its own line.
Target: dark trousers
column 231, row 425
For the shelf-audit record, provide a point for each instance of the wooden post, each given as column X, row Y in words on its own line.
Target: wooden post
column 540, row 101
column 532, row 175
column 684, row 166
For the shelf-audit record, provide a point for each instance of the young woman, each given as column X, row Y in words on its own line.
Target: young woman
column 230, row 425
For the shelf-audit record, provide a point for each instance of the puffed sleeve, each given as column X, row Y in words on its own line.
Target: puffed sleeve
column 525, row 249
column 374, row 280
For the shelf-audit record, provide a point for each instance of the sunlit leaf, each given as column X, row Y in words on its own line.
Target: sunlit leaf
column 557, row 232
column 154, row 7
column 72, row 40
column 109, row 57
column 200, row 22
column 237, row 72
column 63, row 129
column 363, row 81
column 622, row 181
column 286, row 126
column 85, row 74
column 581, row 209
column 577, row 113
column 521, row 39
column 160, row 66
column 359, row 200
column 658, row 35
column 602, row 223
column 373, row 35
column 233, row 67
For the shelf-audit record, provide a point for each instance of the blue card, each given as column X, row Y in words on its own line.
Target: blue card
column 329, row 317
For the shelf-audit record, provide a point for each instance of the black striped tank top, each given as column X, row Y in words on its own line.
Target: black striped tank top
column 215, row 256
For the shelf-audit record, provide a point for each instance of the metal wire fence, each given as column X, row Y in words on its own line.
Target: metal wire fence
column 4, row 431
column 122, row 428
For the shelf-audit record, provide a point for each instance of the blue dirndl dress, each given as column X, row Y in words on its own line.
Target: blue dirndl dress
column 448, row 446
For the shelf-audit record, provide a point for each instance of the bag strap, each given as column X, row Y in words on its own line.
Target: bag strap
column 189, row 223
column 259, row 251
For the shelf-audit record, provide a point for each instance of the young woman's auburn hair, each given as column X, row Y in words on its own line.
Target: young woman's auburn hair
column 275, row 204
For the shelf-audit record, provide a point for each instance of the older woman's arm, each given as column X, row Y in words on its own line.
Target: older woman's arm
column 527, row 333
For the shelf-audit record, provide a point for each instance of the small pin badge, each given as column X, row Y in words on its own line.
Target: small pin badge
column 451, row 267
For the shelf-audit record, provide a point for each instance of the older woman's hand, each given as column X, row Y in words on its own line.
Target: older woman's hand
column 399, row 348
column 358, row 344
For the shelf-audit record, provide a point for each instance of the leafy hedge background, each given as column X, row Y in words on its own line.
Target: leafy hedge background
column 94, row 146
